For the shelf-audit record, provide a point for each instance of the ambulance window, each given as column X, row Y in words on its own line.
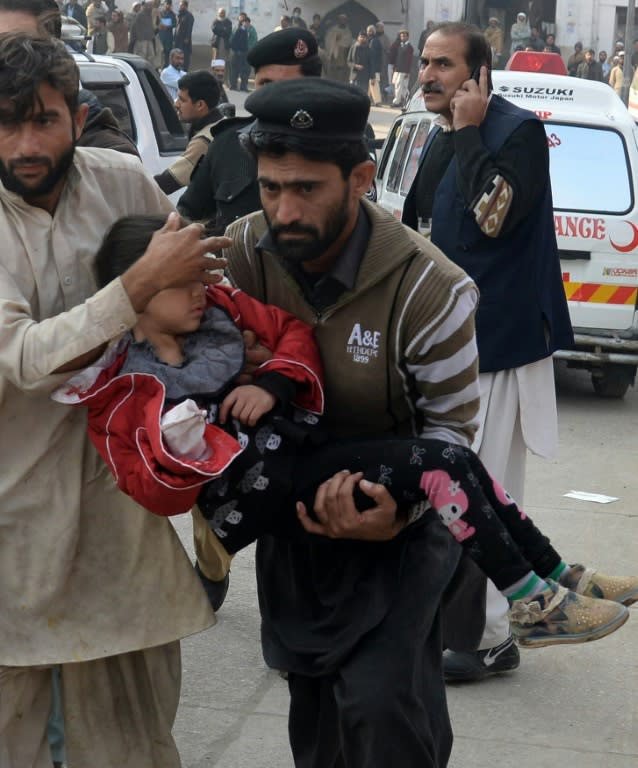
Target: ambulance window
column 415, row 153
column 388, row 148
column 398, row 159
column 589, row 169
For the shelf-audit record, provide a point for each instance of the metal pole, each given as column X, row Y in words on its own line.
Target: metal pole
column 628, row 70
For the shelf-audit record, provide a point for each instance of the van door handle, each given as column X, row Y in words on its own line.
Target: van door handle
column 571, row 255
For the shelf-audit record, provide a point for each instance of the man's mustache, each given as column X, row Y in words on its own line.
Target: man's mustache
column 293, row 229
column 34, row 160
column 433, row 88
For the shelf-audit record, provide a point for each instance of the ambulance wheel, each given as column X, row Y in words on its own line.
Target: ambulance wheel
column 613, row 381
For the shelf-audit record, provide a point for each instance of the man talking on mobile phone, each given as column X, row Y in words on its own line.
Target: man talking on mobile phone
column 483, row 194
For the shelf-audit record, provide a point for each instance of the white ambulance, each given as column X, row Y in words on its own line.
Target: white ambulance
column 593, row 149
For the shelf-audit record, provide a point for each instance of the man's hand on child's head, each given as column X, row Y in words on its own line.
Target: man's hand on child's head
column 176, row 255
column 247, row 404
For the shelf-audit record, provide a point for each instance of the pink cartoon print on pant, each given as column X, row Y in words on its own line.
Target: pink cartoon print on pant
column 449, row 500
column 504, row 497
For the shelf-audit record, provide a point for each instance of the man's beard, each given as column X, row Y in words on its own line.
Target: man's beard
column 49, row 182
column 315, row 244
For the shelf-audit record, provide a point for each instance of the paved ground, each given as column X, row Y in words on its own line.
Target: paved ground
column 574, row 706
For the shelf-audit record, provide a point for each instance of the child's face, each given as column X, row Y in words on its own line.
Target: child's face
column 175, row 311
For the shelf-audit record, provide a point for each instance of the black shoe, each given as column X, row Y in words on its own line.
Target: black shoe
column 469, row 666
column 215, row 590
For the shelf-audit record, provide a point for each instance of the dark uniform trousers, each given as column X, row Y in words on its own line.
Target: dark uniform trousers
column 385, row 705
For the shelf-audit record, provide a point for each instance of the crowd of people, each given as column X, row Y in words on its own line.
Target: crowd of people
column 344, row 397
column 583, row 63
column 385, row 69
column 151, row 28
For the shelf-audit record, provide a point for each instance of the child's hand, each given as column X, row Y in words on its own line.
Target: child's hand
column 247, row 404
column 255, row 356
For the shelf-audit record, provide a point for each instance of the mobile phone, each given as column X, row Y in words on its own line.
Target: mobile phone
column 476, row 74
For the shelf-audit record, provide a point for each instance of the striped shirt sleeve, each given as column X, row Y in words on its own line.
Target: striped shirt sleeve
column 441, row 356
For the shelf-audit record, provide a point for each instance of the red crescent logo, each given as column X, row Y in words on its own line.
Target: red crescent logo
column 631, row 245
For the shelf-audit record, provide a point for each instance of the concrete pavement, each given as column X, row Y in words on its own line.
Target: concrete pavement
column 573, row 706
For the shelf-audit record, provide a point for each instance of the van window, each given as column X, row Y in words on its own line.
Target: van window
column 589, row 169
column 415, row 153
column 398, row 159
column 388, row 148
column 169, row 132
column 116, row 100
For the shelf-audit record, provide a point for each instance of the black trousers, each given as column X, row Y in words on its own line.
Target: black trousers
column 384, row 705
column 239, row 71
column 476, row 509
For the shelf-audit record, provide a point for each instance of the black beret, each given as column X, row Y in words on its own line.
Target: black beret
column 310, row 107
column 287, row 46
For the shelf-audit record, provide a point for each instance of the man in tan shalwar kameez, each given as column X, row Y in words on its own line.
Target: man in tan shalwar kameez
column 88, row 579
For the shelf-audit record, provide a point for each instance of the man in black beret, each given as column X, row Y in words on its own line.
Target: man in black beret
column 355, row 622
column 222, row 188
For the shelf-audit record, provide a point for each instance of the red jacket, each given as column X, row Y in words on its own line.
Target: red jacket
column 125, row 410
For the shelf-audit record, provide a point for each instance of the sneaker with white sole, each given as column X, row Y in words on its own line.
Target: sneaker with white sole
column 591, row 583
column 556, row 616
column 471, row 666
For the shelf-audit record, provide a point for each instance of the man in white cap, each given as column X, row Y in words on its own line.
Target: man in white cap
column 520, row 33
column 616, row 74
column 218, row 68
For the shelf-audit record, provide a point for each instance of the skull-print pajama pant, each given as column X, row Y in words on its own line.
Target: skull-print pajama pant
column 258, row 493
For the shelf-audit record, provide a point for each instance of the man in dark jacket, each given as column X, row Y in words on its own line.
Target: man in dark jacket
column 402, row 68
column 223, row 187
column 362, row 652
column 102, row 41
column 222, row 29
column 575, row 60
column 483, row 194
column 166, row 30
column 196, row 104
column 184, row 32
column 74, row 10
column 359, row 62
column 239, row 67
column 590, row 69
column 376, row 64
column 550, row 45
column 102, row 129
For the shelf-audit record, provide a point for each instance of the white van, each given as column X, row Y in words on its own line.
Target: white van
column 593, row 145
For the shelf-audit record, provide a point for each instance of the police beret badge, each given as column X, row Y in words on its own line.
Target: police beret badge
column 301, row 119
column 301, row 49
